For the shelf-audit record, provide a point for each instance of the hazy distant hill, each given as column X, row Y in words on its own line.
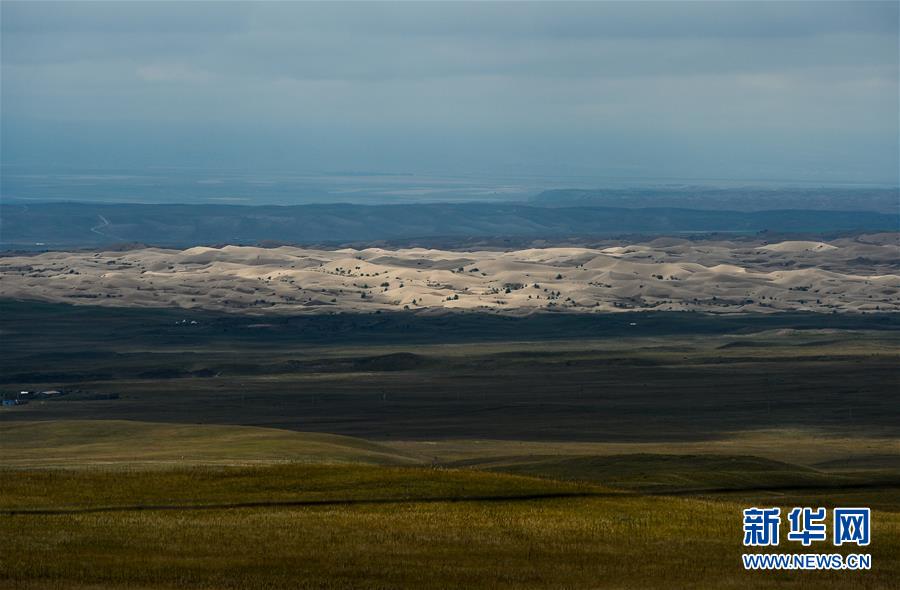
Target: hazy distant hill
column 74, row 224
column 881, row 200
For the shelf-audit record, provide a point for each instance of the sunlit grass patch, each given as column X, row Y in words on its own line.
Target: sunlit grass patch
column 546, row 534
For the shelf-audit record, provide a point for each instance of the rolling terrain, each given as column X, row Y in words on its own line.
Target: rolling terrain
column 206, row 449
column 218, row 421
column 860, row 274
column 211, row 518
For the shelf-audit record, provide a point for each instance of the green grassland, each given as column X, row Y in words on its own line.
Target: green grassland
column 450, row 451
column 238, row 507
column 72, row 443
column 552, row 541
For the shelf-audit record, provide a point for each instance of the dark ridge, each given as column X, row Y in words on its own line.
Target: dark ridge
column 68, row 225
column 881, row 200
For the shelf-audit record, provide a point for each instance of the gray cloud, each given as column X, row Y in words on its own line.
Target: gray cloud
column 711, row 89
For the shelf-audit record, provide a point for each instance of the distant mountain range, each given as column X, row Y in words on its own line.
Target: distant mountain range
column 53, row 225
column 881, row 200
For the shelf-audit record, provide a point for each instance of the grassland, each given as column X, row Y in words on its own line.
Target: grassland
column 668, row 378
column 238, row 507
column 71, row 443
column 419, row 452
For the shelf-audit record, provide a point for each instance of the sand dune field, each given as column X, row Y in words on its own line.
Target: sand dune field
column 860, row 274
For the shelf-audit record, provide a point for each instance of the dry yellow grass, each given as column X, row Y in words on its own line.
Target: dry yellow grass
column 70, row 443
column 541, row 541
column 791, row 445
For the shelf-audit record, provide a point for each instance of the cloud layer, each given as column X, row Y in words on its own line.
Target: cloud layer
column 774, row 90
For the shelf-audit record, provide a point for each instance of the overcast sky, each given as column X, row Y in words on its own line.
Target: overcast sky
column 762, row 90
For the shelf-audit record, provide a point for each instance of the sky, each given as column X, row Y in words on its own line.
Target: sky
column 711, row 90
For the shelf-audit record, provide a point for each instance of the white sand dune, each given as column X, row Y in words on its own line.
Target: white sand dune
column 846, row 275
column 798, row 246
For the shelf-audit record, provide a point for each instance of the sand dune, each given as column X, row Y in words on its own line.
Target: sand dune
column 847, row 275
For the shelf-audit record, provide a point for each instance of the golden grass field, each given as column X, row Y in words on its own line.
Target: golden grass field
column 142, row 505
